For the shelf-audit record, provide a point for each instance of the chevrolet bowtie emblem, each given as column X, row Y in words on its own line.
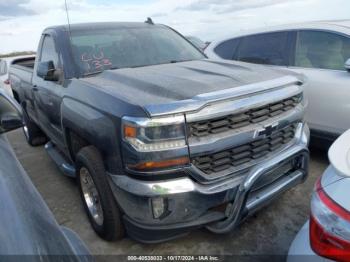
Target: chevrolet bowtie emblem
column 267, row 130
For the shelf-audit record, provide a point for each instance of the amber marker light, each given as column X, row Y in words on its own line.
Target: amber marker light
column 129, row 131
column 161, row 164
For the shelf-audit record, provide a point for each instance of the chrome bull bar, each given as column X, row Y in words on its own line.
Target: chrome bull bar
column 243, row 205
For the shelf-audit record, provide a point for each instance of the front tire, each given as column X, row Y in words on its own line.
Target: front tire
column 32, row 133
column 98, row 199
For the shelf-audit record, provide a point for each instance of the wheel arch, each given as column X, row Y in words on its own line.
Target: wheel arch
column 84, row 126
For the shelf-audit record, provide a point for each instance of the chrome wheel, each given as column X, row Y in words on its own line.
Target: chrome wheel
column 26, row 132
column 91, row 196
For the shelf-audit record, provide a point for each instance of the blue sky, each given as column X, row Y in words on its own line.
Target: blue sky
column 22, row 21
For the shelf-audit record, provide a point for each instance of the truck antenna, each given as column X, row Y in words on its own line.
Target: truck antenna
column 149, row 21
column 66, row 6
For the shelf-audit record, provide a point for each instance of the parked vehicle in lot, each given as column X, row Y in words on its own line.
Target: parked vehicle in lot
column 166, row 140
column 27, row 226
column 197, row 42
column 5, row 64
column 316, row 49
column 327, row 234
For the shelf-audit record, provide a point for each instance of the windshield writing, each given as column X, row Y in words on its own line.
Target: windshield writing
column 98, row 50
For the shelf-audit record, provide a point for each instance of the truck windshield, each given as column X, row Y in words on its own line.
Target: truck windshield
column 98, row 50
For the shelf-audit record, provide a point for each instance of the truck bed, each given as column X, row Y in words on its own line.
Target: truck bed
column 25, row 63
column 20, row 73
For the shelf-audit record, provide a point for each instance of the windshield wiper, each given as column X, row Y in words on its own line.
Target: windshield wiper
column 98, row 72
column 113, row 67
column 92, row 73
column 179, row 61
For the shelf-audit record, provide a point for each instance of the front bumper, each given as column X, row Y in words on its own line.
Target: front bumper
column 219, row 206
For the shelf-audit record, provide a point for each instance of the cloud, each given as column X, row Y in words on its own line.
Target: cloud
column 155, row 15
column 251, row 4
column 219, row 6
column 14, row 8
column 207, row 19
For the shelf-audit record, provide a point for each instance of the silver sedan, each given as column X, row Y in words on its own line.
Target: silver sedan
column 326, row 236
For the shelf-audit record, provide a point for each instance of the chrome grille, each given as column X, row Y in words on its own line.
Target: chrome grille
column 249, row 153
column 234, row 121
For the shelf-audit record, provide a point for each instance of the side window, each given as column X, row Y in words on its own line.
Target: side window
column 317, row 49
column 48, row 51
column 227, row 49
column 2, row 67
column 5, row 68
column 268, row 49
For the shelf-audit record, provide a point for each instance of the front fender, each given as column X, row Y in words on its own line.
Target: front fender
column 94, row 127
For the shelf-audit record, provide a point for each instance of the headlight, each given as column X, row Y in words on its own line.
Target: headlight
column 147, row 135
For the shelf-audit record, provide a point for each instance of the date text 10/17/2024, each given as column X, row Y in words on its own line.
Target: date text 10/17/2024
column 173, row 258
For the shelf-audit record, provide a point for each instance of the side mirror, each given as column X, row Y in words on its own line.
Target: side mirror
column 347, row 65
column 47, row 71
column 10, row 121
column 10, row 113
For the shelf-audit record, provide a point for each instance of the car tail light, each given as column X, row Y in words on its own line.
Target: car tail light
column 7, row 82
column 329, row 227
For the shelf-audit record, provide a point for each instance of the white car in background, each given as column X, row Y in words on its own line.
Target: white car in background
column 327, row 233
column 197, row 42
column 5, row 64
column 319, row 50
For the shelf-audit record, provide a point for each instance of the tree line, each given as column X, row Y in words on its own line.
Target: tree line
column 17, row 54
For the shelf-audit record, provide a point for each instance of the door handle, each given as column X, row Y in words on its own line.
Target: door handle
column 35, row 87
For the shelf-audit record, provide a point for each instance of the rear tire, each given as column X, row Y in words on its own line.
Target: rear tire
column 32, row 133
column 98, row 200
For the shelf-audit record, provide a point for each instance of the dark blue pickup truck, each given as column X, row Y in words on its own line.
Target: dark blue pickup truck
column 161, row 139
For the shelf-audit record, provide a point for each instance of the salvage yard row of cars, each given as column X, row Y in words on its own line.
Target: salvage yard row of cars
column 165, row 141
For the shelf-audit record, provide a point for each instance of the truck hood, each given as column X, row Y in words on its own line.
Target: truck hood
column 188, row 86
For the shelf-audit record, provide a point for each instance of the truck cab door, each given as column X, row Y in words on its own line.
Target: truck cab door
column 48, row 94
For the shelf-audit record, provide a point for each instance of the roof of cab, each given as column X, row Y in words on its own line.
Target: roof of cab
column 100, row 25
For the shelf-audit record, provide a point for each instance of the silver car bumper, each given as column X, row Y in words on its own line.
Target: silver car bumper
column 301, row 250
column 220, row 205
